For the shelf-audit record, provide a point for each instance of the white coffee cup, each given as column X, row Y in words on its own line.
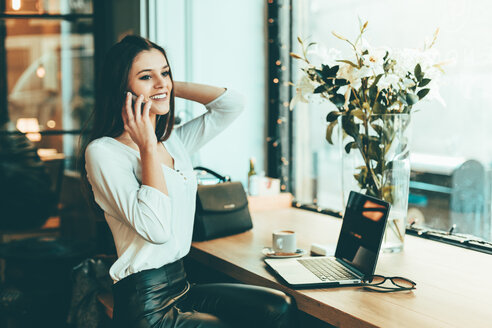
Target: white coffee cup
column 284, row 242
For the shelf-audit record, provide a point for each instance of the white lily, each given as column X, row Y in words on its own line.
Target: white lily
column 304, row 88
column 388, row 80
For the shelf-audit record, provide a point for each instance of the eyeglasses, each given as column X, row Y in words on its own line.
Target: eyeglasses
column 375, row 283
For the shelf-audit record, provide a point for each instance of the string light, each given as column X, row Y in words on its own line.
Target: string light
column 40, row 71
column 16, row 4
column 29, row 126
column 279, row 60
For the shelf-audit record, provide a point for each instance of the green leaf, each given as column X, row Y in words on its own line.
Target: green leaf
column 358, row 113
column 329, row 131
column 341, row 82
column 418, row 72
column 320, row 89
column 332, row 116
column 373, row 89
column 347, row 62
column 424, row 82
column 350, row 145
column 412, row 99
column 422, row 93
column 377, row 108
column 373, row 151
column 319, row 74
column 361, row 177
column 350, row 127
column 338, row 100
column 332, row 72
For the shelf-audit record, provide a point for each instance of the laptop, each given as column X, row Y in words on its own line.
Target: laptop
column 356, row 253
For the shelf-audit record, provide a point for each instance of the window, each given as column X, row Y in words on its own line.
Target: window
column 206, row 43
column 47, row 49
column 451, row 145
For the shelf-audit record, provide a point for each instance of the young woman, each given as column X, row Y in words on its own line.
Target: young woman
column 142, row 178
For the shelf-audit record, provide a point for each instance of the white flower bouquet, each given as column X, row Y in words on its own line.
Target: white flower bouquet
column 372, row 83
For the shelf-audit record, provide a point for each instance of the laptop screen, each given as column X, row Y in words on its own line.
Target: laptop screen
column 362, row 232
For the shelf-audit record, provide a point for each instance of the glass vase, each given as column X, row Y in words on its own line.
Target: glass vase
column 376, row 161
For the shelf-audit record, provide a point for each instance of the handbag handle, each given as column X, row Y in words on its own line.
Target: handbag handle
column 222, row 178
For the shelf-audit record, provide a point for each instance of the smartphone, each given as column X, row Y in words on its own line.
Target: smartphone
column 134, row 98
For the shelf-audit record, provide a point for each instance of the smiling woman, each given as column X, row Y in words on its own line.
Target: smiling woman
column 142, row 178
column 150, row 78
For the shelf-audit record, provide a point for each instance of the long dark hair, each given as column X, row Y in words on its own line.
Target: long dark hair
column 111, row 88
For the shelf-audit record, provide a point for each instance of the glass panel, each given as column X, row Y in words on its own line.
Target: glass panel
column 451, row 161
column 53, row 7
column 50, row 78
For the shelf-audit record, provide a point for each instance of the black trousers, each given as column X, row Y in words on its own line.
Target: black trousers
column 163, row 298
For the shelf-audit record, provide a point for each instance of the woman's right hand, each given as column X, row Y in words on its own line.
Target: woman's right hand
column 138, row 124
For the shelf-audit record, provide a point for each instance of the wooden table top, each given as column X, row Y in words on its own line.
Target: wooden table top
column 454, row 285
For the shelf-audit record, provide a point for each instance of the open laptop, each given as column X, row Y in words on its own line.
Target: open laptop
column 356, row 254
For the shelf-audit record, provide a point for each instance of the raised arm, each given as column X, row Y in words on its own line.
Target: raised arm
column 223, row 107
column 201, row 93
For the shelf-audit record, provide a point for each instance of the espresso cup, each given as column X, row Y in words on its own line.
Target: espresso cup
column 284, row 242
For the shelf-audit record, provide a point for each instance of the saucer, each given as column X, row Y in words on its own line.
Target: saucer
column 268, row 252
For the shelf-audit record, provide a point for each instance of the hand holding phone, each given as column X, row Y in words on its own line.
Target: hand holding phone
column 138, row 123
column 134, row 99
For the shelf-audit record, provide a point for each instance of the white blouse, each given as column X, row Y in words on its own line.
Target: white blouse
column 151, row 229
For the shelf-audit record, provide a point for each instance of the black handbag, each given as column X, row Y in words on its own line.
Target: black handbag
column 221, row 209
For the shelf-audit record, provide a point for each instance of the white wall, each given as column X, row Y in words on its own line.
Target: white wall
column 220, row 42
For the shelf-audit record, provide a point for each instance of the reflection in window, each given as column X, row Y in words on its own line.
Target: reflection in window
column 51, row 7
column 50, row 73
column 451, row 150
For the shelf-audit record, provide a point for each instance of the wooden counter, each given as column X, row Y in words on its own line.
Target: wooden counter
column 454, row 285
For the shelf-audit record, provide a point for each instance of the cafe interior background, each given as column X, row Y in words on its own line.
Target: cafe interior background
column 50, row 51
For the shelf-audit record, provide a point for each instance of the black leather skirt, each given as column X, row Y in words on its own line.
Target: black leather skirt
column 144, row 298
column 163, row 298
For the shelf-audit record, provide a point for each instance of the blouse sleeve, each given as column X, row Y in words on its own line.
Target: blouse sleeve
column 220, row 113
column 119, row 194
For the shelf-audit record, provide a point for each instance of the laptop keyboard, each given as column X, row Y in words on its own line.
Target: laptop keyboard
column 327, row 269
